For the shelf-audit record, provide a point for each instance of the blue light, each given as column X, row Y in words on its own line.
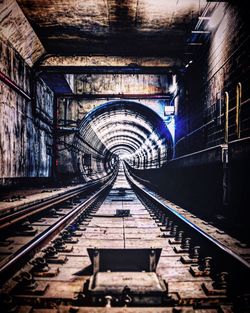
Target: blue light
column 171, row 127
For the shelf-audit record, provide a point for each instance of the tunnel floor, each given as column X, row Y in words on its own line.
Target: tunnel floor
column 124, row 252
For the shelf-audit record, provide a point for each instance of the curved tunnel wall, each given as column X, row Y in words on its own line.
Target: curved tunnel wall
column 119, row 130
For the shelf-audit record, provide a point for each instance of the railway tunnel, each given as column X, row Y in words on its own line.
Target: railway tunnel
column 124, row 156
column 120, row 130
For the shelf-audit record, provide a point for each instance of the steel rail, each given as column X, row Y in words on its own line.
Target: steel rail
column 11, row 219
column 16, row 258
column 186, row 221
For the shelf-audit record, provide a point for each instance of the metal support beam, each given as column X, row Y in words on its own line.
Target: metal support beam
column 157, row 70
column 115, row 96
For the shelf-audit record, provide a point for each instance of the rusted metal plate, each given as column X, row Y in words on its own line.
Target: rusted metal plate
column 137, row 281
column 67, row 274
column 187, row 290
column 59, row 290
column 178, row 274
column 171, row 262
column 168, row 251
column 38, row 290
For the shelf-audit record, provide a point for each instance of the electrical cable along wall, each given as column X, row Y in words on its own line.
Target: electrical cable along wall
column 124, row 130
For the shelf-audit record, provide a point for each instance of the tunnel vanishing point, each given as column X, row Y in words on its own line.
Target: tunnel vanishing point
column 124, row 156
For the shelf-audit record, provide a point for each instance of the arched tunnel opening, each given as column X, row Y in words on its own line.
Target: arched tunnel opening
column 119, row 130
column 124, row 156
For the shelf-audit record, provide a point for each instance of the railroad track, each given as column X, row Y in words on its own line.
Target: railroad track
column 123, row 247
column 23, row 231
column 16, row 215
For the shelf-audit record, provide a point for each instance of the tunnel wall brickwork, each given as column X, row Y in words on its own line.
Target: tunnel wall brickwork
column 25, row 126
column 220, row 64
column 174, row 183
column 199, row 190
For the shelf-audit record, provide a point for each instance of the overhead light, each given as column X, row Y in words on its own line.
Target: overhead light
column 195, row 43
column 173, row 87
column 187, row 65
column 200, row 32
column 204, row 18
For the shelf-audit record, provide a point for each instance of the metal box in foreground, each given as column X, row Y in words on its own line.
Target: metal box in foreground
column 126, row 277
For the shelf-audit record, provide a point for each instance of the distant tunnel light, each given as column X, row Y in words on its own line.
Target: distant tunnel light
column 169, row 110
column 204, row 18
column 171, row 127
column 173, row 87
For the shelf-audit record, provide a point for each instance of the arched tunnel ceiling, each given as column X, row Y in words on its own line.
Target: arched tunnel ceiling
column 113, row 27
column 125, row 128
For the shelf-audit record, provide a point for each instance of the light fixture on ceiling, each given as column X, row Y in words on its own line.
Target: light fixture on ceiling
column 204, row 18
column 190, row 62
column 202, row 32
